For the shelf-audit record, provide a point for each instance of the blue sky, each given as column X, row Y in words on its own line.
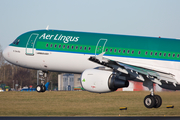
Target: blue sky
column 131, row 17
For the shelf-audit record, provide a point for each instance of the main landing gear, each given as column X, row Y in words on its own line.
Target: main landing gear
column 151, row 101
column 154, row 101
column 41, row 77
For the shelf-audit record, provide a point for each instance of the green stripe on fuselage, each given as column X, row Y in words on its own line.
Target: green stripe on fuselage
column 54, row 46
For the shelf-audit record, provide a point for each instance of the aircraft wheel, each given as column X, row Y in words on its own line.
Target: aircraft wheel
column 149, row 101
column 43, row 88
column 39, row 88
column 158, row 101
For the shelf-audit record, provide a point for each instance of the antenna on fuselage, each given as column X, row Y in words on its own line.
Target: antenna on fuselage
column 47, row 28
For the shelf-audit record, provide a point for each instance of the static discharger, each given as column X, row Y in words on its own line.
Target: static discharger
column 123, row 108
column 170, row 106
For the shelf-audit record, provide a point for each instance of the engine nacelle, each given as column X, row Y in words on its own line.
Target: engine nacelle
column 101, row 81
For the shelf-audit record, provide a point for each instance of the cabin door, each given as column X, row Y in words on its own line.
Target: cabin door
column 100, row 46
column 31, row 44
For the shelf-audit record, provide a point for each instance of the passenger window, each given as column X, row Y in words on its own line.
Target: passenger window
column 55, row 45
column 51, row 45
column 119, row 50
column 114, row 50
column 151, row 53
column 124, row 51
column 169, row 55
column 89, row 48
column 64, row 46
column 173, row 55
column 46, row 45
column 139, row 52
column 128, row 51
column 106, row 49
column 164, row 54
column 146, row 53
column 160, row 54
column 76, row 47
column 80, row 47
column 110, row 50
column 59, row 46
column 155, row 53
column 84, row 48
column 72, row 47
column 133, row 52
column 177, row 55
column 68, row 47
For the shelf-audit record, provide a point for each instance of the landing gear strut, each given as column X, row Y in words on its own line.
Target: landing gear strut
column 41, row 77
column 151, row 101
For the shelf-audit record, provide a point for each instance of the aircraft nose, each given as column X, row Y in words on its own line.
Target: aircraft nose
column 5, row 53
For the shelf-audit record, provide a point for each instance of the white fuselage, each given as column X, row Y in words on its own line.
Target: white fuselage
column 77, row 63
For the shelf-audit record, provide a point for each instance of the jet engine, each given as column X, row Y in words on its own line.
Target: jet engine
column 101, row 81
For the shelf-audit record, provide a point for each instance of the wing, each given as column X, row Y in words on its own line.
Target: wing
column 137, row 71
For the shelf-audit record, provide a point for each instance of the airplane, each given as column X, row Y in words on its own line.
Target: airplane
column 107, row 61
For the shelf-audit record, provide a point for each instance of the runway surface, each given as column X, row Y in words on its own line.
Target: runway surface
column 89, row 118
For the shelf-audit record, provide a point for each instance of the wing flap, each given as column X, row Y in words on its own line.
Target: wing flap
column 154, row 75
column 151, row 73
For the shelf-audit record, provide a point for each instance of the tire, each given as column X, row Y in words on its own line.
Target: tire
column 43, row 88
column 158, row 101
column 149, row 101
column 39, row 88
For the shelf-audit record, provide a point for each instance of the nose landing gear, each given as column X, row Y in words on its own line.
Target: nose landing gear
column 41, row 88
column 41, row 76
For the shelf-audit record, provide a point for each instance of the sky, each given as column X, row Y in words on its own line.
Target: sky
column 152, row 18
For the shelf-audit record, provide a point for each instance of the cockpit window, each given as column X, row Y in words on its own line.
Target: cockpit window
column 16, row 42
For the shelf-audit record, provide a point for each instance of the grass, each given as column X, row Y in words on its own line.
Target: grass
column 82, row 103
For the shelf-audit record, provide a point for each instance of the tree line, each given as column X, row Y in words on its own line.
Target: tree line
column 12, row 75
